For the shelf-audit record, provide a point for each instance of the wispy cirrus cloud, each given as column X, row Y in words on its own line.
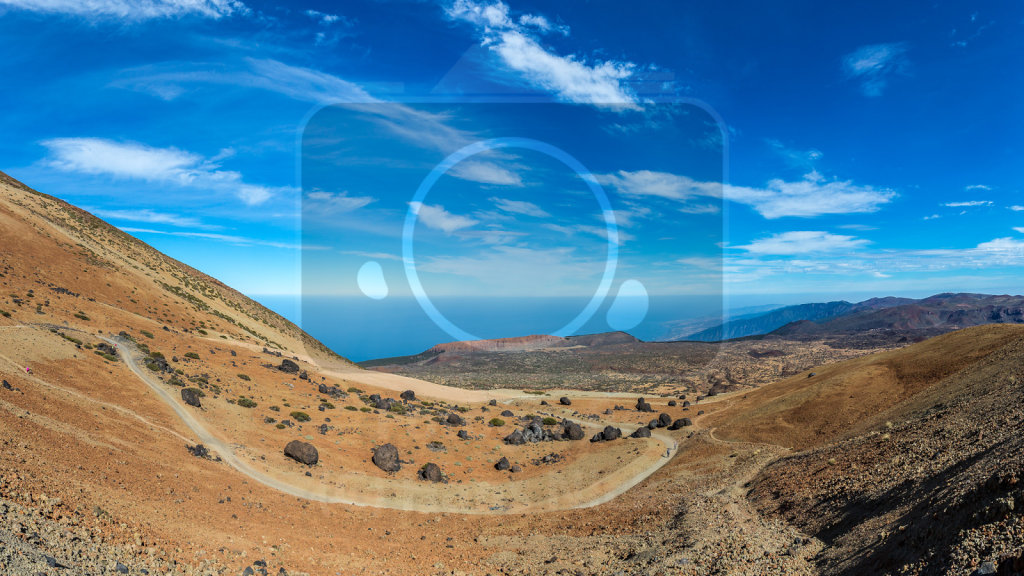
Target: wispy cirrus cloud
column 520, row 207
column 153, row 217
column 517, row 45
column 872, row 65
column 135, row 161
column 811, row 196
column 419, row 127
column 323, row 203
column 226, row 238
column 803, row 242
column 437, row 218
column 968, row 204
column 132, row 10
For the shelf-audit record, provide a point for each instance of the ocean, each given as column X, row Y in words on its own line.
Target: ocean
column 360, row 329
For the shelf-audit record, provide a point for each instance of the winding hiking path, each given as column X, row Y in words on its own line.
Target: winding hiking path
column 125, row 351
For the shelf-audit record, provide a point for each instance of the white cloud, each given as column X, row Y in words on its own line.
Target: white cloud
column 809, row 197
column 152, row 217
column 932, row 217
column 873, row 64
column 968, row 204
column 485, row 173
column 421, row 128
column 1016, row 208
column 803, row 242
column 571, row 78
column 322, row 17
column 323, row 203
column 136, row 161
column 804, row 159
column 977, row 187
column 132, row 10
column 520, row 207
column 438, row 218
column 227, row 238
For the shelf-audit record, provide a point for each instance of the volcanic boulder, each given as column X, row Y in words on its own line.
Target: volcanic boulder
column 641, row 432
column 431, row 472
column 503, row 464
column 680, row 423
column 643, row 406
column 190, row 396
column 454, row 419
column 302, row 452
column 408, row 396
column 386, row 458
column 664, row 420
column 572, row 431
column 288, row 367
column 564, row 401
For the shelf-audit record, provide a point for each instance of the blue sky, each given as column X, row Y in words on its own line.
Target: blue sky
column 869, row 149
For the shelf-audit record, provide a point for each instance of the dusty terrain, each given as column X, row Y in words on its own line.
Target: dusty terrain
column 99, row 473
column 606, row 363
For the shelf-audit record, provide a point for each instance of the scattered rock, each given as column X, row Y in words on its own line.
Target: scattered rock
column 7, row 385
column 680, row 423
column 408, row 396
column 303, row 375
column 454, row 419
column 543, row 402
column 492, row 403
column 431, row 472
column 643, row 406
column 386, row 458
column 303, row 452
column 671, row 402
column 985, row 569
column 686, row 404
column 515, row 438
column 463, row 435
column 641, row 432
column 288, row 367
column 564, row 401
column 515, row 468
column 190, row 396
column 572, row 431
column 507, row 413
column 199, row 451
column 664, row 420
column 608, row 434
column 503, row 464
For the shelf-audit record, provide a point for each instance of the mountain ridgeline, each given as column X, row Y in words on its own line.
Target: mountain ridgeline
column 921, row 318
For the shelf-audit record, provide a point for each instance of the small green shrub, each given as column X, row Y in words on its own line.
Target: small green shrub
column 364, row 409
column 549, row 421
column 107, row 357
column 5, row 313
column 275, row 408
column 153, row 366
column 281, row 426
column 352, row 408
column 300, row 416
column 354, row 390
column 496, row 422
column 146, row 333
column 175, row 381
column 244, row 377
column 192, row 355
column 398, row 408
column 198, row 392
column 246, row 402
column 327, row 405
column 158, row 355
column 201, row 331
column 81, row 316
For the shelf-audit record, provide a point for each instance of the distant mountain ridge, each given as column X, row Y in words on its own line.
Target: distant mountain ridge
column 770, row 321
column 931, row 315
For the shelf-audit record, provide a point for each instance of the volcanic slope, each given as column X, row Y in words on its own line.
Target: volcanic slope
column 910, row 460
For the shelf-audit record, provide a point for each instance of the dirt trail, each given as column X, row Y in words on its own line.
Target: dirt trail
column 227, row 454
